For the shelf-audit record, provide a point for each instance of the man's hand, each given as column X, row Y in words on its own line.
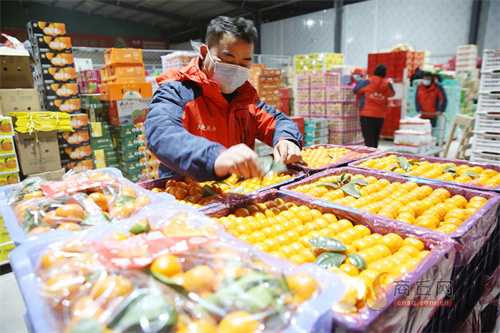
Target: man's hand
column 439, row 113
column 240, row 160
column 287, row 152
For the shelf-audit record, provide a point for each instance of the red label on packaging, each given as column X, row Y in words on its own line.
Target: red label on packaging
column 141, row 250
column 70, row 186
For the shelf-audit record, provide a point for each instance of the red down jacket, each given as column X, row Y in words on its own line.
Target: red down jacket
column 190, row 123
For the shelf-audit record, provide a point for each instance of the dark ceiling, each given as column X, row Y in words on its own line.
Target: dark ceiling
column 183, row 20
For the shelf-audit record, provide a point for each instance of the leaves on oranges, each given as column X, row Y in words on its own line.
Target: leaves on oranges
column 329, row 259
column 357, row 261
column 327, row 243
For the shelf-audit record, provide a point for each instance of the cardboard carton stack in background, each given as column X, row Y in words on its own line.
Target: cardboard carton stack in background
column 267, row 81
column 129, row 96
column 54, row 72
column 88, row 81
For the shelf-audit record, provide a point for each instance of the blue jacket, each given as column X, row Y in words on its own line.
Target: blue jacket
column 190, row 123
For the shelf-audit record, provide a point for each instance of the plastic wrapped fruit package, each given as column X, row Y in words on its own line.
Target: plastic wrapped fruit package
column 365, row 252
column 78, row 202
column 175, row 278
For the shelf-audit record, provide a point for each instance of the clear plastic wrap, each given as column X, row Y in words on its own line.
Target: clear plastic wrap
column 80, row 201
column 471, row 234
column 385, row 316
column 473, row 183
column 357, row 152
column 201, row 280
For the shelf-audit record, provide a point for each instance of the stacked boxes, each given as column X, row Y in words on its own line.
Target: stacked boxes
column 414, row 136
column 130, row 150
column 88, row 81
column 9, row 168
column 316, row 131
column 267, row 81
column 103, row 151
column 178, row 60
column 317, row 62
column 6, row 244
column 466, row 60
column 54, row 72
column 396, row 63
column 123, row 76
column 74, row 147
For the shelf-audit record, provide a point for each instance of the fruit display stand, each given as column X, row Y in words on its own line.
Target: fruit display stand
column 469, row 184
column 383, row 315
column 127, row 277
column 37, row 208
column 473, row 251
column 352, row 154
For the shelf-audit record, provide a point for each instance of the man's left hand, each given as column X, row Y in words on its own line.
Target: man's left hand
column 287, row 152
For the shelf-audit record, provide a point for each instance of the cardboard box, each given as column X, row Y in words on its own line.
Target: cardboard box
column 103, row 157
column 55, row 175
column 6, row 128
column 89, row 76
column 101, row 143
column 16, row 71
column 59, row 91
column 6, row 145
column 96, row 115
column 123, row 56
column 114, row 71
column 128, row 143
column 4, row 235
column 67, row 105
column 127, row 91
column 89, row 87
column 5, row 249
column 50, row 43
column 70, row 154
column 52, row 59
column 37, row 28
column 129, row 155
column 19, row 100
column 8, row 164
column 2, row 222
column 83, row 64
column 125, row 80
column 38, row 155
column 9, row 178
column 73, row 139
column 92, row 101
column 79, row 121
column 131, row 167
column 130, row 111
column 134, row 178
column 126, row 131
column 80, row 166
column 100, row 129
column 50, row 75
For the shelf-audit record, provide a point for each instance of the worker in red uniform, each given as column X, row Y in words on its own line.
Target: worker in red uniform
column 374, row 92
column 356, row 75
column 430, row 99
column 204, row 118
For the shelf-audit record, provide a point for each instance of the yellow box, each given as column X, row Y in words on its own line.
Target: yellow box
column 5, row 249
column 4, row 235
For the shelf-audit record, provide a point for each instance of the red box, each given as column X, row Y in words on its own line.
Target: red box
column 299, row 121
column 285, row 93
column 285, row 106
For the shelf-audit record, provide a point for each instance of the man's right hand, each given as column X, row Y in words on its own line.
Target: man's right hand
column 239, row 160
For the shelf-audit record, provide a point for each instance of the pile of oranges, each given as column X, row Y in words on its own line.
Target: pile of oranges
column 190, row 192
column 485, row 177
column 321, row 156
column 284, row 230
column 408, row 202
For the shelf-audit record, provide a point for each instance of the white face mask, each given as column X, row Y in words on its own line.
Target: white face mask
column 426, row 82
column 229, row 77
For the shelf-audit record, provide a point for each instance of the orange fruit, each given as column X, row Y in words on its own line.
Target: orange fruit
column 349, row 269
column 392, row 241
column 364, row 231
column 298, row 259
column 242, row 212
column 53, row 257
column 34, row 194
column 51, row 219
column 330, row 218
column 100, row 200
column 73, row 211
column 167, row 265
column 63, row 286
column 412, row 251
column 70, row 226
column 129, row 191
column 86, row 307
column 302, row 285
column 140, row 202
column 198, row 279
column 118, row 236
column 416, row 243
column 239, row 322
column 111, row 287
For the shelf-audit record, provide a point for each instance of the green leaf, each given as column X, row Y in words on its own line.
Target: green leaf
column 136, row 114
column 283, row 283
column 258, row 297
column 450, row 169
column 123, row 200
column 406, row 167
column 393, row 166
column 329, row 259
column 357, row 261
column 352, row 190
column 267, row 163
column 240, row 180
column 343, row 178
column 169, row 282
column 92, row 218
column 139, row 228
column 207, row 191
column 327, row 243
column 152, row 308
column 413, row 161
column 85, row 325
column 334, row 185
column 401, row 160
column 359, row 181
column 237, row 190
column 471, row 174
column 220, row 182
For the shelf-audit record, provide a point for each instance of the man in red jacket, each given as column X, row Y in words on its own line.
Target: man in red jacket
column 374, row 92
column 430, row 99
column 204, row 118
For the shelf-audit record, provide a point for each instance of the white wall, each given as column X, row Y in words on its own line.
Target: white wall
column 311, row 33
column 374, row 26
column 492, row 34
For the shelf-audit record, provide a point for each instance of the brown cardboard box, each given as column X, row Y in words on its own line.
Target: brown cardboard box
column 12, row 100
column 16, row 71
column 38, row 156
column 55, row 175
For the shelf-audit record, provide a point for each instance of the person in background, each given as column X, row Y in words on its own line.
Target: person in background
column 356, row 75
column 430, row 99
column 374, row 92
column 203, row 120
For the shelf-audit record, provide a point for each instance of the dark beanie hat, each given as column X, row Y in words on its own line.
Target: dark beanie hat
column 380, row 70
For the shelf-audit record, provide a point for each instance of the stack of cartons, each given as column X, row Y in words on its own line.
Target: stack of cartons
column 129, row 144
column 396, row 63
column 466, row 60
column 317, row 62
column 54, row 72
column 178, row 60
column 88, row 81
column 74, row 147
column 267, row 81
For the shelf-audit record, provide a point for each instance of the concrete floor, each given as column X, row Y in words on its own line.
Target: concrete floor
column 12, row 305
